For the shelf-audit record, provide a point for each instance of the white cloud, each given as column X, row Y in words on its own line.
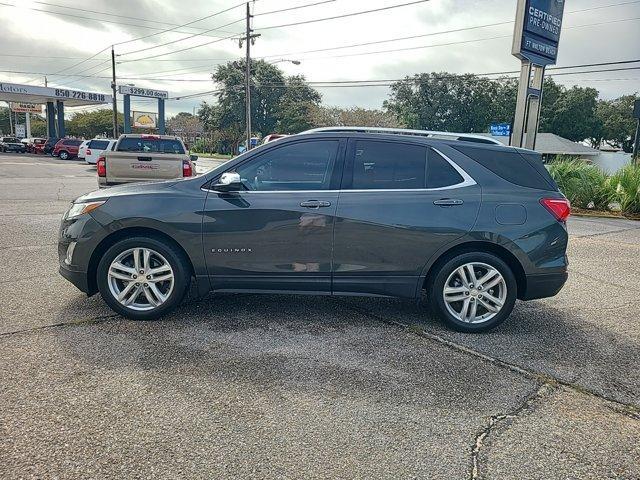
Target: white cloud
column 30, row 32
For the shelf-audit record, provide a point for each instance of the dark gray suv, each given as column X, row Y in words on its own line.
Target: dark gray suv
column 332, row 212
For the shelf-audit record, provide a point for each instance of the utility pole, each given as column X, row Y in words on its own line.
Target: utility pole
column 113, row 89
column 249, row 38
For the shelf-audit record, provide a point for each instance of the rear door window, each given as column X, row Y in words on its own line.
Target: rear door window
column 150, row 145
column 388, row 165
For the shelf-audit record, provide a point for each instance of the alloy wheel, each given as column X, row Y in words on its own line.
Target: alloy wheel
column 140, row 279
column 475, row 292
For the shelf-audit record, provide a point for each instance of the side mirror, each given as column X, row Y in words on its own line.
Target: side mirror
column 229, row 182
column 193, row 157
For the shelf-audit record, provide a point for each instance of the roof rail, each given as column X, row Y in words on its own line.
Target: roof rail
column 463, row 137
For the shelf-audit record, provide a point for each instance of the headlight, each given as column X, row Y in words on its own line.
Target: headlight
column 78, row 209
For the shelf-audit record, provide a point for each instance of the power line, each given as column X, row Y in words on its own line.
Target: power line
column 101, row 20
column 182, row 39
column 567, row 67
column 150, row 35
column 181, row 50
column 459, row 42
column 294, row 8
column 442, row 32
column 342, row 16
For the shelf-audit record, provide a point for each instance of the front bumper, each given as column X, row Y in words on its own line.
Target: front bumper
column 84, row 233
column 79, row 279
column 544, row 285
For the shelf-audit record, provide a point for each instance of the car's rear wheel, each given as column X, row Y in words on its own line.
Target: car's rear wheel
column 473, row 292
column 143, row 278
column 63, row 155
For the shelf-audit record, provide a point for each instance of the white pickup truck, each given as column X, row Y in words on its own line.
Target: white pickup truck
column 143, row 158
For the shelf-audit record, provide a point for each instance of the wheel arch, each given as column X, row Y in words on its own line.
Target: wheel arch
column 479, row 246
column 122, row 234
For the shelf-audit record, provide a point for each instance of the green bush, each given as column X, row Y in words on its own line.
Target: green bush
column 585, row 185
column 626, row 185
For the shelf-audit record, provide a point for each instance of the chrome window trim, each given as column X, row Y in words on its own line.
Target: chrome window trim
column 467, row 181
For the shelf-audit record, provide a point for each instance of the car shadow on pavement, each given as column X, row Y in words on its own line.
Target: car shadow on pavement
column 250, row 334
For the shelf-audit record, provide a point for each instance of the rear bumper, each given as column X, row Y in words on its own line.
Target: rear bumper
column 543, row 286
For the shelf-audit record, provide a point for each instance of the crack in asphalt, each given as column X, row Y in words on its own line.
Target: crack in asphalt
column 87, row 321
column 596, row 279
column 591, row 235
column 543, row 391
column 622, row 408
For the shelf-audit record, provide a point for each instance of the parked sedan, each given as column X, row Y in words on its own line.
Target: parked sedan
column 473, row 226
column 12, row 144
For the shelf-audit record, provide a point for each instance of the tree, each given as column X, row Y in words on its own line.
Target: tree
column 618, row 124
column 278, row 103
column 184, row 124
column 450, row 102
column 296, row 105
column 93, row 124
column 573, row 114
column 334, row 116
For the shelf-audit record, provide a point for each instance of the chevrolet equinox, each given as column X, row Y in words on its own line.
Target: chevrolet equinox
column 342, row 211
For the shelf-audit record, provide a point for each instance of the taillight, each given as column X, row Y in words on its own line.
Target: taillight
column 560, row 208
column 102, row 167
column 187, row 169
column 87, row 152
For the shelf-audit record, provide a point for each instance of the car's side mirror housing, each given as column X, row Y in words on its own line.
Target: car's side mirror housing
column 229, row 182
column 193, row 157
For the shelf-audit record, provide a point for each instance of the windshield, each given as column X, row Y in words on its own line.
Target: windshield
column 150, row 145
column 10, row 140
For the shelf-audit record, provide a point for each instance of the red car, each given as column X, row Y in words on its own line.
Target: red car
column 66, row 148
column 37, row 145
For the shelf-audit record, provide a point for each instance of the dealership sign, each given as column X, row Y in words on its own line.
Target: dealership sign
column 142, row 92
column 19, row 107
column 537, row 30
column 145, row 119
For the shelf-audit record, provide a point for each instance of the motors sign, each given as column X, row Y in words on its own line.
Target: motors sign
column 537, row 30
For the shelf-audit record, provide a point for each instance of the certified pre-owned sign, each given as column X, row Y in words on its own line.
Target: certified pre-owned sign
column 537, row 31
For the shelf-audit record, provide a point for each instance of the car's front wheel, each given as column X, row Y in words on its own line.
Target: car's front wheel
column 143, row 278
column 64, row 155
column 473, row 292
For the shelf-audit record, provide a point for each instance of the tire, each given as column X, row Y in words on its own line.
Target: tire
column 140, row 307
column 452, row 312
column 64, row 155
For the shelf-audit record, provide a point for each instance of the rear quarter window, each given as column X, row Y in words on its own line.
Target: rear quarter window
column 508, row 164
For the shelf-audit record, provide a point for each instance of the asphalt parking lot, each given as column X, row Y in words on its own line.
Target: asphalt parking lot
column 247, row 386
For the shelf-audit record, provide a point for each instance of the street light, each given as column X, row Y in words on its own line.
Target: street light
column 283, row 60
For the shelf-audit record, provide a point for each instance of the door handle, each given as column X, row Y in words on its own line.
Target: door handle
column 448, row 202
column 315, row 204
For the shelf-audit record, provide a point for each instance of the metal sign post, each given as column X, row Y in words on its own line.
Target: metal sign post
column 535, row 42
column 130, row 90
column 636, row 144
